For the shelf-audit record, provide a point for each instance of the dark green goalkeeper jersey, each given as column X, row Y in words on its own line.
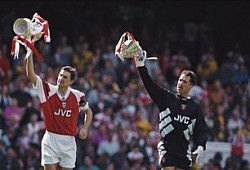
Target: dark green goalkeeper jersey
column 180, row 119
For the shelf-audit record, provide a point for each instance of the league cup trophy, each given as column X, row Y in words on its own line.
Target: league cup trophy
column 28, row 32
column 128, row 47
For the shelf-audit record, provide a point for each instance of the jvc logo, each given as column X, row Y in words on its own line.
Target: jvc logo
column 182, row 119
column 66, row 113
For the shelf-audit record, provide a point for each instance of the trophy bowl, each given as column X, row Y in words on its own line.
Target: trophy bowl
column 23, row 27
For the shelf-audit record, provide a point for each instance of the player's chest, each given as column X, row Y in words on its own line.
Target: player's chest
column 183, row 114
column 63, row 106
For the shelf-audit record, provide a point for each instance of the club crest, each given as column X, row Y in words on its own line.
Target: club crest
column 64, row 105
column 183, row 106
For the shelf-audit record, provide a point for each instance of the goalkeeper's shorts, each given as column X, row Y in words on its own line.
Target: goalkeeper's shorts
column 168, row 158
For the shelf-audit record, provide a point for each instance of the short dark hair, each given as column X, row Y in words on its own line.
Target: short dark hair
column 192, row 75
column 72, row 71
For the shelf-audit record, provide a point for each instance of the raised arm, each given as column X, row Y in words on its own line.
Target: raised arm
column 157, row 94
column 30, row 72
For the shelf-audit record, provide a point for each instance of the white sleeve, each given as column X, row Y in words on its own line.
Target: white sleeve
column 44, row 89
column 83, row 104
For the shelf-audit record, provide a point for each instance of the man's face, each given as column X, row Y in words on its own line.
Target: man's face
column 184, row 85
column 63, row 79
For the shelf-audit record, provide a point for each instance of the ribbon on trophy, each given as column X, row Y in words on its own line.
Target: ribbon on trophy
column 28, row 32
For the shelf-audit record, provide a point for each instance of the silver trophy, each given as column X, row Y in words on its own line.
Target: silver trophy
column 28, row 31
column 27, row 28
column 128, row 47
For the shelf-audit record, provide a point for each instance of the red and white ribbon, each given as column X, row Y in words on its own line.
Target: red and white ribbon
column 29, row 42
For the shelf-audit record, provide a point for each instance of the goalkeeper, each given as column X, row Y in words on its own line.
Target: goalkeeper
column 180, row 119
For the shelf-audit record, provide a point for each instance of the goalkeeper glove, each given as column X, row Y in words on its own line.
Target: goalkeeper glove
column 200, row 155
column 140, row 58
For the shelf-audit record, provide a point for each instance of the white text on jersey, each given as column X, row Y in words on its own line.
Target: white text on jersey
column 181, row 119
column 66, row 113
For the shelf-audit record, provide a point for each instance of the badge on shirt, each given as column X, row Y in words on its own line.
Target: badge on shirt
column 183, row 106
column 64, row 105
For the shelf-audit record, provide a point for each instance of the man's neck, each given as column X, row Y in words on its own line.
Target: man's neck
column 184, row 95
column 62, row 90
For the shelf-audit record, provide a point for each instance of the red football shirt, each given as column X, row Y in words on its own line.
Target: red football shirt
column 60, row 112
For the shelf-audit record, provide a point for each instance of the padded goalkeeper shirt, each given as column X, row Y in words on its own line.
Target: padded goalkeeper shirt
column 180, row 119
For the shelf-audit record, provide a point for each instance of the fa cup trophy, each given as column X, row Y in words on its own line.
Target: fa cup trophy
column 28, row 32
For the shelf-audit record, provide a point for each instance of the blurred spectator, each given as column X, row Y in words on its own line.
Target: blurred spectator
column 165, row 62
column 108, row 69
column 235, row 122
column 82, row 56
column 237, row 152
column 2, row 122
column 120, row 158
column 229, row 164
column 109, row 146
column 216, row 94
column 23, row 140
column 109, row 84
column 124, row 78
column 240, row 74
column 104, row 117
column 135, row 157
column 99, row 134
column 123, row 119
column 209, row 119
column 9, row 137
column 21, row 95
column 13, row 162
column 208, row 65
column 109, row 55
column 247, row 130
column 110, row 166
column 33, row 127
column 181, row 60
column 244, row 165
column 64, row 52
column 88, row 164
column 13, row 114
column 2, row 155
column 5, row 67
column 50, row 77
column 220, row 124
column 217, row 161
column 32, row 107
column 153, row 68
column 5, row 99
column 32, row 158
column 198, row 93
column 225, row 73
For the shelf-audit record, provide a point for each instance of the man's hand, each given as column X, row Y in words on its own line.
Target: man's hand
column 200, row 155
column 83, row 133
column 140, row 59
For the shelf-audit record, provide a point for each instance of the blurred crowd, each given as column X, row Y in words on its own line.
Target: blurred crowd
column 124, row 132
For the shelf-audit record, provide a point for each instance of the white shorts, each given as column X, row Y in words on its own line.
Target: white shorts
column 59, row 149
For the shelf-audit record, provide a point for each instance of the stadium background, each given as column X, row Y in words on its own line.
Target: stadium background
column 196, row 27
